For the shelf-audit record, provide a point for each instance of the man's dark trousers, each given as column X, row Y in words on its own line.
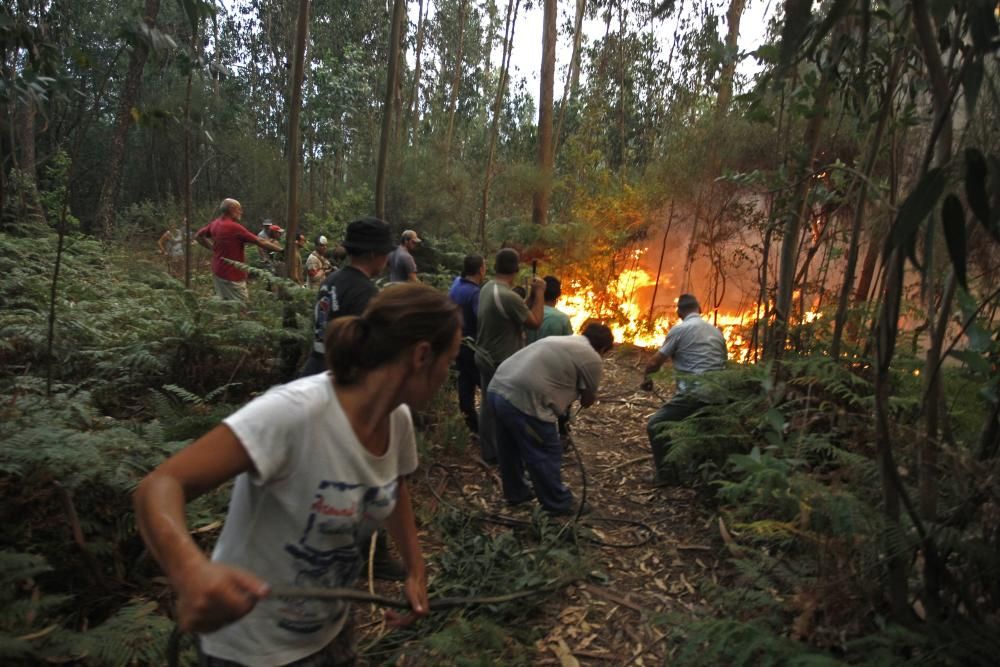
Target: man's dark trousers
column 676, row 409
column 526, row 442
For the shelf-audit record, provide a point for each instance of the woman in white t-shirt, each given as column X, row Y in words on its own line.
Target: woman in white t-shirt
column 319, row 463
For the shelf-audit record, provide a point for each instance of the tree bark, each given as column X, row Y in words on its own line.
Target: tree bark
column 860, row 204
column 728, row 73
column 413, row 108
column 293, row 267
column 105, row 216
column 540, row 204
column 398, row 16
column 797, row 210
column 456, row 79
column 573, row 80
column 510, row 24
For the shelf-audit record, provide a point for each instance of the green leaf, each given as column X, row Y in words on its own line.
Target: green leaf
column 972, row 81
column 976, row 172
column 953, row 219
column 973, row 360
column 983, row 25
column 918, row 204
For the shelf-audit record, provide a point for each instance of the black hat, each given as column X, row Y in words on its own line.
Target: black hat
column 368, row 235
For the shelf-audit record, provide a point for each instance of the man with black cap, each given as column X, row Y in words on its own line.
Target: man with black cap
column 348, row 290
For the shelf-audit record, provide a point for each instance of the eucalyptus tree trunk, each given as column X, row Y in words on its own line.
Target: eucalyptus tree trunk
column 413, row 107
column 293, row 266
column 105, row 216
column 797, row 209
column 573, row 80
column 941, row 95
column 860, row 203
column 187, row 166
column 456, row 78
column 510, row 23
column 398, row 16
column 733, row 17
column 540, row 203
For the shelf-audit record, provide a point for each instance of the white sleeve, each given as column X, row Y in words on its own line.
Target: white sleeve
column 266, row 427
column 404, row 440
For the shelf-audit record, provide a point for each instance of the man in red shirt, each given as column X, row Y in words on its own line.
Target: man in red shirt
column 225, row 237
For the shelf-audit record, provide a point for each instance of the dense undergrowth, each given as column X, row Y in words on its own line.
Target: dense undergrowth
column 793, row 469
column 139, row 367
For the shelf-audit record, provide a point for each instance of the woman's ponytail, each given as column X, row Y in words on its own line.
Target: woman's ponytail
column 346, row 340
column 397, row 319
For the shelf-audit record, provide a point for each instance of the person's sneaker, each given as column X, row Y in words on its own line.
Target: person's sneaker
column 520, row 501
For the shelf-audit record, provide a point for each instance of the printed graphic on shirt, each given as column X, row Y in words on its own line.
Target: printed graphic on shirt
column 325, row 307
column 342, row 518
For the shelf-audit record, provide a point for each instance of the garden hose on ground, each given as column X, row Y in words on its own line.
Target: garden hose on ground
column 355, row 595
column 505, row 520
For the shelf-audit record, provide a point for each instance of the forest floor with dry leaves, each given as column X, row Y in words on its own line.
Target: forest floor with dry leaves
column 610, row 623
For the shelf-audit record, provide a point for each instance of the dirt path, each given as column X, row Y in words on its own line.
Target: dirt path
column 610, row 623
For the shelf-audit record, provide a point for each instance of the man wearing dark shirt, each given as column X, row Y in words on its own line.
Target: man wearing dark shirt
column 348, row 290
column 465, row 292
column 225, row 237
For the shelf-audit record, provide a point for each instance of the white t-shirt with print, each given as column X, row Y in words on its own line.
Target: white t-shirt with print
column 302, row 517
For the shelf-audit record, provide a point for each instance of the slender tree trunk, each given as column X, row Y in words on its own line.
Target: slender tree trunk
column 293, row 267
column 540, row 204
column 510, row 23
column 105, row 216
column 941, row 94
column 659, row 266
column 573, row 79
column 187, row 167
column 797, row 211
column 398, row 16
column 456, row 78
column 413, row 108
column 728, row 73
column 860, row 205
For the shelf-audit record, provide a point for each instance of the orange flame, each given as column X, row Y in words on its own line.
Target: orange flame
column 628, row 319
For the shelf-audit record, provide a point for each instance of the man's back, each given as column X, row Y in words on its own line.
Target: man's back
column 696, row 346
column 502, row 313
column 346, row 291
column 228, row 238
column 465, row 294
column 554, row 323
column 401, row 265
column 543, row 379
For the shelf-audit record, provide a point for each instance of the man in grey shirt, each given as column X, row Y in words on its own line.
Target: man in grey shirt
column 402, row 267
column 696, row 347
column 528, row 393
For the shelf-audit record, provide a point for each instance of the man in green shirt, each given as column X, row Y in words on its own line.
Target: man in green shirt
column 503, row 317
column 554, row 321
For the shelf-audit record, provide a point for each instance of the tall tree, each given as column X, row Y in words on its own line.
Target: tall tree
column 456, row 77
column 392, row 69
column 733, row 18
column 293, row 268
column 105, row 216
column 540, row 204
column 510, row 23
